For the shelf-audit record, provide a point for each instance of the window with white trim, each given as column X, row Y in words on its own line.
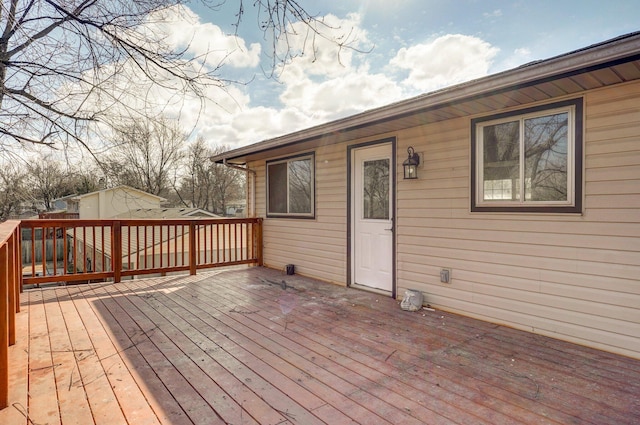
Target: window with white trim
column 290, row 187
column 528, row 160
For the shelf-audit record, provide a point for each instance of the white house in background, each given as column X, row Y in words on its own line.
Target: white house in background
column 138, row 248
column 524, row 211
column 108, row 203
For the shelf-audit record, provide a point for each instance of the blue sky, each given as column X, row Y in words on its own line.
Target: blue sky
column 416, row 46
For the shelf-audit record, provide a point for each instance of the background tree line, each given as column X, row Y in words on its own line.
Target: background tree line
column 154, row 156
column 73, row 71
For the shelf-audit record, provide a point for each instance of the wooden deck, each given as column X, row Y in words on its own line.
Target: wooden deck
column 240, row 347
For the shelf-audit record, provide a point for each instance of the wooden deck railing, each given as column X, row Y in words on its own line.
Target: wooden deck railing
column 90, row 250
column 49, row 251
column 9, row 299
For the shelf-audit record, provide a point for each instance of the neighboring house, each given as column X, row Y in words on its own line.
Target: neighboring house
column 121, row 202
column 141, row 244
column 108, row 203
column 60, row 204
column 29, row 210
column 236, row 208
column 525, row 210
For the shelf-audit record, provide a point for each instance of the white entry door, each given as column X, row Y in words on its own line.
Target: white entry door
column 372, row 217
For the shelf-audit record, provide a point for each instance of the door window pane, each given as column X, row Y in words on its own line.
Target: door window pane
column 376, row 189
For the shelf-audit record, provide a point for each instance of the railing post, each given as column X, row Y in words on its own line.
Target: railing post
column 259, row 241
column 192, row 248
column 18, row 263
column 11, row 288
column 116, row 250
column 4, row 327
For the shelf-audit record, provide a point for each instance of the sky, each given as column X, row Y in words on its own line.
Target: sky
column 400, row 49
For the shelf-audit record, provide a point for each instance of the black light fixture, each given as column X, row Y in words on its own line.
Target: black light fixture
column 411, row 164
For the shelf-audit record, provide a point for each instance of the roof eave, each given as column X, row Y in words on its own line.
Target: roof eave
column 621, row 48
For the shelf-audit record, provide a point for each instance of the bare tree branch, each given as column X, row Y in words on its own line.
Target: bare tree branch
column 67, row 65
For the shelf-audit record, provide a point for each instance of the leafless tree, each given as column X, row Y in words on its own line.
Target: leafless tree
column 145, row 154
column 228, row 183
column 47, row 180
column 279, row 20
column 65, row 64
column 85, row 178
column 207, row 185
column 12, row 191
column 196, row 187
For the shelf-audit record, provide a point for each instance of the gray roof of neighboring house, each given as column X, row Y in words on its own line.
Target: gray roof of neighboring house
column 64, row 198
column 166, row 213
column 610, row 62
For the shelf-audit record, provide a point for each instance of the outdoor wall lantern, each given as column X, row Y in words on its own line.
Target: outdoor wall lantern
column 411, row 164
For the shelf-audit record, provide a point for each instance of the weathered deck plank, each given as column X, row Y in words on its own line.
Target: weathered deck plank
column 43, row 401
column 115, row 374
column 239, row 347
column 72, row 398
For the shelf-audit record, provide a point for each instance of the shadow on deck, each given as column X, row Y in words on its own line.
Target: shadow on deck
column 251, row 345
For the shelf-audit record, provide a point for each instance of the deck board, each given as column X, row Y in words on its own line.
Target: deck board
column 239, row 347
column 72, row 399
column 43, row 401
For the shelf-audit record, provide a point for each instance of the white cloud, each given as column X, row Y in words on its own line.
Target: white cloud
column 519, row 57
column 323, row 84
column 323, row 55
column 495, row 14
column 334, row 81
column 340, row 96
column 320, row 89
column 447, row 60
column 252, row 125
column 326, row 83
column 179, row 27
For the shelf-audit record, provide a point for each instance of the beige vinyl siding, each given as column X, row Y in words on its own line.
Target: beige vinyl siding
column 317, row 247
column 571, row 276
column 575, row 277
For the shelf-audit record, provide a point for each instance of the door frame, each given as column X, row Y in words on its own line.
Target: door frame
column 350, row 149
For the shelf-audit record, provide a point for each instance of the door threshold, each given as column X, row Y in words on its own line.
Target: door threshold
column 370, row 289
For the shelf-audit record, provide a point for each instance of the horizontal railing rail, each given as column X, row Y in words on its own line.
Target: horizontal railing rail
column 95, row 250
column 9, row 299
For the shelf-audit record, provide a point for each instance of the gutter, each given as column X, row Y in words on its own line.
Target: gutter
column 237, row 167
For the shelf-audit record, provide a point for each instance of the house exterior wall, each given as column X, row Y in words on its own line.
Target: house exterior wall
column 571, row 276
column 317, row 247
column 574, row 277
